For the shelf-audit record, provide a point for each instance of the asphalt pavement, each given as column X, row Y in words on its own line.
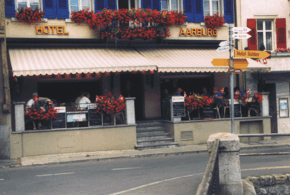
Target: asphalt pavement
column 123, row 154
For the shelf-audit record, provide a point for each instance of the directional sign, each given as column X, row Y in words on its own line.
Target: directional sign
column 237, row 63
column 251, row 54
column 224, row 43
column 241, row 36
column 235, row 70
column 226, row 48
column 241, row 29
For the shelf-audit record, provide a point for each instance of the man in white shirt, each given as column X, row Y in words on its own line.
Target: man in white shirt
column 85, row 101
column 32, row 101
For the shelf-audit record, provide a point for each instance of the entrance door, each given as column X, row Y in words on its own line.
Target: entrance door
column 272, row 106
column 132, row 86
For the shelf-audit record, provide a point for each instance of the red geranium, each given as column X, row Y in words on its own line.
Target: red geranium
column 29, row 16
column 258, row 97
column 214, row 21
column 130, row 24
column 109, row 105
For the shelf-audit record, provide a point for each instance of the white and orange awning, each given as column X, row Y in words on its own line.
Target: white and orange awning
column 38, row 61
column 192, row 60
column 47, row 61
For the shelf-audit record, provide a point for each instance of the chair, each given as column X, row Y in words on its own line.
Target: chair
column 225, row 105
column 217, row 110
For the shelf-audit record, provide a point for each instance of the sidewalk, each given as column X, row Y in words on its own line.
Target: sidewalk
column 123, row 154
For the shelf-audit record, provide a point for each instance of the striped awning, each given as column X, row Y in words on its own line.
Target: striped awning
column 192, row 60
column 49, row 61
column 36, row 61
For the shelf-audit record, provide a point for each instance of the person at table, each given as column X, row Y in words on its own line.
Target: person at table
column 77, row 101
column 217, row 95
column 204, row 92
column 226, row 93
column 84, row 101
column 178, row 92
column 238, row 89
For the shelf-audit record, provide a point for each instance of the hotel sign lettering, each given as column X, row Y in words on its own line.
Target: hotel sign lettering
column 198, row 32
column 50, row 30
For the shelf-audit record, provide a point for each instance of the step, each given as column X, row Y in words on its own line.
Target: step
column 155, row 141
column 149, row 123
column 153, row 127
column 152, row 134
column 150, row 129
column 154, row 146
column 145, row 138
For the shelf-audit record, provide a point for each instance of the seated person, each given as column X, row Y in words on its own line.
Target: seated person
column 204, row 92
column 178, row 92
column 84, row 101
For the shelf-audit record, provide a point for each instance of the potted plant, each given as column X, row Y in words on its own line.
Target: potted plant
column 214, row 21
column 29, row 16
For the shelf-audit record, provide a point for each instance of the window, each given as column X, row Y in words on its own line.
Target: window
column 171, row 5
column 129, row 4
column 265, row 34
column 23, row 4
column 78, row 5
column 212, row 7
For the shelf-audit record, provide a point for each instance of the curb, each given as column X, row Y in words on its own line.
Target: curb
column 152, row 154
column 162, row 154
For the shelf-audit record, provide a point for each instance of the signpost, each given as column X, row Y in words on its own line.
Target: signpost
column 225, row 48
column 237, row 63
column 251, row 54
column 241, row 29
column 224, row 43
column 241, row 36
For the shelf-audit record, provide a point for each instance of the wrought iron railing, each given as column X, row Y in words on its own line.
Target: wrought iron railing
column 210, row 181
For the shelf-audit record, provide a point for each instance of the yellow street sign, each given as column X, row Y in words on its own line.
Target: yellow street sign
column 237, row 63
column 251, row 54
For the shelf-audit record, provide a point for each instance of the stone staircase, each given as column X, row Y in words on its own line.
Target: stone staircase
column 152, row 134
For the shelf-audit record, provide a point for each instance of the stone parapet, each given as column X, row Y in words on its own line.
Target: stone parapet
column 271, row 184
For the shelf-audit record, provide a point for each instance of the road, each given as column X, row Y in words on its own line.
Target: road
column 156, row 175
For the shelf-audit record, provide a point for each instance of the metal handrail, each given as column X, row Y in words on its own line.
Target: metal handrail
column 210, row 180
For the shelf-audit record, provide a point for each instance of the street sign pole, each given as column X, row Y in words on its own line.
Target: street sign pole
column 231, row 80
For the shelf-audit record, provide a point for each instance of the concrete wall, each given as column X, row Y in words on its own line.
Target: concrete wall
column 202, row 129
column 32, row 143
column 282, row 91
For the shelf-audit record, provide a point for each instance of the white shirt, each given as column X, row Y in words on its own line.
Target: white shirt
column 84, row 103
column 30, row 103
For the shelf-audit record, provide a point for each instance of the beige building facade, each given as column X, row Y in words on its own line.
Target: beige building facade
column 58, row 58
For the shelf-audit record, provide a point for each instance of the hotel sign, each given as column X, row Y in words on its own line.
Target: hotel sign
column 197, row 32
column 50, row 30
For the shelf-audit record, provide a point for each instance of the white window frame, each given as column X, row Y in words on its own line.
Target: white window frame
column 179, row 4
column 80, row 6
column 220, row 8
column 264, row 33
column 28, row 3
column 137, row 4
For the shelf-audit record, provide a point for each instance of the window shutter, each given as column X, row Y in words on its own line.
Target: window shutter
column 198, row 11
column 188, row 10
column 157, row 4
column 99, row 5
column 252, row 41
column 49, row 7
column 9, row 8
column 229, row 11
column 62, row 9
column 146, row 4
column 111, row 4
column 281, row 32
